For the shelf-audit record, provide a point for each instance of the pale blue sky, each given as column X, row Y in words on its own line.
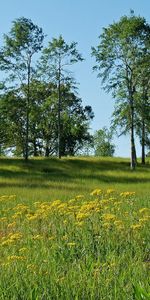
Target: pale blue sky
column 80, row 21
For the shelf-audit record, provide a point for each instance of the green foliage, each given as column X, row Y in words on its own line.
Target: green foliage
column 53, row 66
column 23, row 41
column 41, row 113
column 43, row 120
column 103, row 142
column 56, row 58
column 121, row 58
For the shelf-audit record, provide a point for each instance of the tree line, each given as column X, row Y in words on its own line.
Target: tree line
column 123, row 63
column 41, row 112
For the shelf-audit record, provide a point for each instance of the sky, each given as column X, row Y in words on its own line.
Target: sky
column 80, row 21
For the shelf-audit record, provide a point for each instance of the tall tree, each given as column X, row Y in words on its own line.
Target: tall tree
column 143, row 101
column 54, row 63
column 118, row 57
column 23, row 41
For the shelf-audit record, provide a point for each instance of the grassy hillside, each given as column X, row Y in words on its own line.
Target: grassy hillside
column 77, row 228
column 53, row 178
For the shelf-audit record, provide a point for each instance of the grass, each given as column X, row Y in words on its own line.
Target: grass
column 60, row 241
column 51, row 178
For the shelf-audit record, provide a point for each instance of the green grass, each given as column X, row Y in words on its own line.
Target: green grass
column 51, row 178
column 59, row 241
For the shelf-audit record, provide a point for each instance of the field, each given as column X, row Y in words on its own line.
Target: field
column 77, row 228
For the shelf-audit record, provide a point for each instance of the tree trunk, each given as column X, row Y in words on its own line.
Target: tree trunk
column 27, row 132
column 133, row 151
column 135, row 156
column 27, row 114
column 59, row 111
column 35, row 152
column 47, row 151
column 143, row 143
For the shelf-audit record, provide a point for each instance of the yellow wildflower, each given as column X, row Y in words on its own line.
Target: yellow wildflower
column 145, row 219
column 118, row 223
column 106, row 224
column 65, row 221
column 10, row 225
column 32, row 217
column 7, row 242
column 80, row 223
column 15, row 257
column 136, row 226
column 71, row 244
column 4, row 219
column 144, row 210
column 96, row 192
column 127, row 194
column 65, row 237
column 23, row 249
column 72, row 200
column 51, row 238
column 81, row 215
column 15, row 236
column 55, row 203
column 108, row 217
column 37, row 237
column 78, row 197
column 31, row 267
column 110, row 191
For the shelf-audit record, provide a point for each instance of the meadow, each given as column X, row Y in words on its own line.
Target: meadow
column 75, row 228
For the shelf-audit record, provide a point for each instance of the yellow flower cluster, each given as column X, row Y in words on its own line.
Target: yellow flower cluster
column 7, row 198
column 96, row 192
column 61, row 221
column 127, row 194
column 11, row 238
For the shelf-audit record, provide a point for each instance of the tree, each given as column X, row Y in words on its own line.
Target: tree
column 23, row 41
column 53, row 66
column 42, row 123
column 74, row 119
column 143, row 102
column 103, row 142
column 118, row 57
column 12, row 125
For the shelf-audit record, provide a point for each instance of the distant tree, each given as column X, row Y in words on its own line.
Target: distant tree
column 119, row 57
column 75, row 119
column 13, row 122
column 75, row 124
column 103, row 145
column 54, row 63
column 23, row 41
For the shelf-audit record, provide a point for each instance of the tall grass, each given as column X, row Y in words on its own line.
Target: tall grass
column 60, row 240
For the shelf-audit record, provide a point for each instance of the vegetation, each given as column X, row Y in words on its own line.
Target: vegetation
column 76, row 229
column 24, row 40
column 41, row 113
column 122, row 61
column 43, row 129
column 103, row 145
column 53, row 65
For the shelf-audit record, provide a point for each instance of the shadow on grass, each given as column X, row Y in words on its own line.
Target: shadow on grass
column 42, row 172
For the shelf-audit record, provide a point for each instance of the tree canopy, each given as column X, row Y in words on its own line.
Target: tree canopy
column 123, row 48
